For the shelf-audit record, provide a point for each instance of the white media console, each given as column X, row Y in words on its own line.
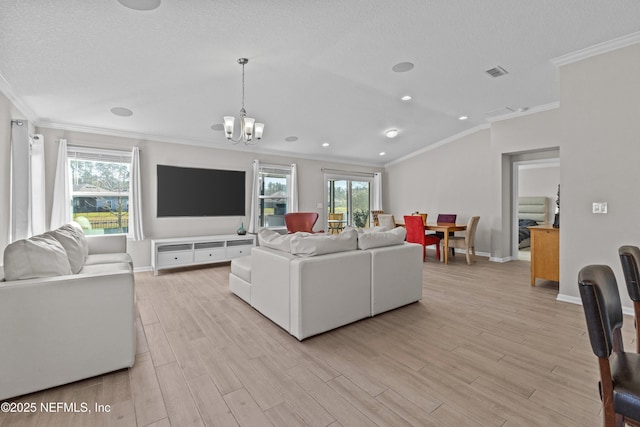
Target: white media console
column 184, row 251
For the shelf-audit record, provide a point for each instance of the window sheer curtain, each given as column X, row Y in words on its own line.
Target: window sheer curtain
column 27, row 200
column 135, row 203
column 255, row 189
column 293, row 193
column 61, row 204
column 376, row 200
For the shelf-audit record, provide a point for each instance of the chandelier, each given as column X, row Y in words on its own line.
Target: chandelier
column 248, row 126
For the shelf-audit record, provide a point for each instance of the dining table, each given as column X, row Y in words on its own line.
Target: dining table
column 446, row 228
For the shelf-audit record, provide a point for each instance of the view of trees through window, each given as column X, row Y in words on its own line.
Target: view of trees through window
column 273, row 199
column 100, row 195
column 350, row 198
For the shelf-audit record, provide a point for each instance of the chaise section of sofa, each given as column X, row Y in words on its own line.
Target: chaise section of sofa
column 311, row 284
column 63, row 328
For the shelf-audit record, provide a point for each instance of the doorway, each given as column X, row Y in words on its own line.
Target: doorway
column 533, row 175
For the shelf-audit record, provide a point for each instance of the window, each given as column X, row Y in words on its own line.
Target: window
column 351, row 197
column 274, row 195
column 100, row 189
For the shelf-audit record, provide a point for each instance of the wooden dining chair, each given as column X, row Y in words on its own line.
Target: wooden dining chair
column 619, row 370
column 337, row 226
column 630, row 259
column 448, row 218
column 467, row 242
column 374, row 216
column 415, row 234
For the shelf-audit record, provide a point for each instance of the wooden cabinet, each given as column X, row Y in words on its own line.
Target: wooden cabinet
column 545, row 253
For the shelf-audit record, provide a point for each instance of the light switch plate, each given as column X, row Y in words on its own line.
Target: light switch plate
column 600, row 207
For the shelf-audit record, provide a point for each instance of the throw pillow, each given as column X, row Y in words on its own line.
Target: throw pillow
column 38, row 256
column 316, row 244
column 379, row 239
column 79, row 231
column 71, row 243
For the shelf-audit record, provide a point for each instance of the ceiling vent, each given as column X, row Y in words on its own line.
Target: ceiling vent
column 499, row 112
column 497, row 71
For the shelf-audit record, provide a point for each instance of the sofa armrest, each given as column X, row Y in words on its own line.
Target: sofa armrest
column 107, row 244
column 57, row 330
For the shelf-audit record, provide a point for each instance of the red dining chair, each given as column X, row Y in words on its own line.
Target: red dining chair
column 415, row 234
column 301, row 221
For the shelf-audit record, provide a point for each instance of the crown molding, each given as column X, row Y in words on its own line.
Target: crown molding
column 438, row 144
column 597, row 49
column 198, row 143
column 532, row 110
column 7, row 90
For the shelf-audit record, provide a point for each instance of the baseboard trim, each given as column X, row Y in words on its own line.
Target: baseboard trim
column 142, row 269
column 496, row 259
column 578, row 301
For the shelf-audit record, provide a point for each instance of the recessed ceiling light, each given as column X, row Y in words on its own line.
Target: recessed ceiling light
column 217, row 126
column 406, row 98
column 291, row 138
column 391, row 133
column 142, row 5
column 122, row 112
column 325, row 144
column 382, row 153
column 463, row 118
column 402, row 67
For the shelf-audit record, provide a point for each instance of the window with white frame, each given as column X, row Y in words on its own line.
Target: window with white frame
column 100, row 189
column 274, row 195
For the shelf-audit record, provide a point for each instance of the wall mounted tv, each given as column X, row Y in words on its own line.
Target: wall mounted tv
column 200, row 192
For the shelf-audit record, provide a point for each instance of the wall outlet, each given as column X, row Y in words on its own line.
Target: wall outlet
column 319, row 205
column 600, row 207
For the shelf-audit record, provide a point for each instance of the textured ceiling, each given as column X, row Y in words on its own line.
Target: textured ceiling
column 318, row 70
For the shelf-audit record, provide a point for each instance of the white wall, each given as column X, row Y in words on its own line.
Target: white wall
column 452, row 178
column 600, row 115
column 310, row 179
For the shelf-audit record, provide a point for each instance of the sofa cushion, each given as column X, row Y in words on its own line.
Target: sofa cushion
column 241, row 267
column 317, row 244
column 38, row 256
column 379, row 239
column 72, row 242
column 274, row 240
column 106, row 268
column 110, row 258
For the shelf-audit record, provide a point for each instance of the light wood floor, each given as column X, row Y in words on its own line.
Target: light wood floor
column 482, row 348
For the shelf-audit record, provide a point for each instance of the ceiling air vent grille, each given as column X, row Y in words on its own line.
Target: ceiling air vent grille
column 497, row 71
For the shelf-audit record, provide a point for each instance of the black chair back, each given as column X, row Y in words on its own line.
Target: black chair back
column 602, row 308
column 630, row 259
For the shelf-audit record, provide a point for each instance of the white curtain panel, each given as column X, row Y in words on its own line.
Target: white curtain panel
column 293, row 195
column 376, row 200
column 27, row 215
column 253, row 220
column 37, row 185
column 135, row 200
column 61, row 204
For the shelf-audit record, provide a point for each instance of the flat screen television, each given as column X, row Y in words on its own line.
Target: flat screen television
column 200, row 192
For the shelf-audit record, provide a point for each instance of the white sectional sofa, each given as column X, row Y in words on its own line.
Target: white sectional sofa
column 309, row 284
column 66, row 310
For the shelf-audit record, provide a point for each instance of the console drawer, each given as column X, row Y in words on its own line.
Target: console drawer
column 209, row 251
column 236, row 251
column 175, row 258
